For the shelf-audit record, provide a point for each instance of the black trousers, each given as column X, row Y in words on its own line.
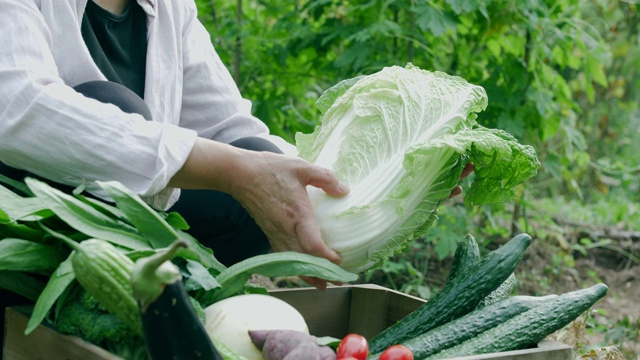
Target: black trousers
column 216, row 219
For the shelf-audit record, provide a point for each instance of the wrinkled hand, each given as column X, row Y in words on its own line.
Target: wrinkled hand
column 272, row 188
column 275, row 195
column 468, row 169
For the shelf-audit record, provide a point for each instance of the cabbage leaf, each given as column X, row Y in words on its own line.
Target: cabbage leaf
column 400, row 138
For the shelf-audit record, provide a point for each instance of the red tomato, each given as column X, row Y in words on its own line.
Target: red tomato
column 396, row 352
column 353, row 345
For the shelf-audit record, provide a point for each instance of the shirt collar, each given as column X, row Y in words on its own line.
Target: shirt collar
column 149, row 6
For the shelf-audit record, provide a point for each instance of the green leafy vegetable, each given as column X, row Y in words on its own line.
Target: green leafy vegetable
column 401, row 138
column 16, row 207
column 17, row 185
column 58, row 283
column 24, row 255
column 149, row 222
column 154, row 227
column 200, row 277
column 232, row 280
column 85, row 218
column 21, row 284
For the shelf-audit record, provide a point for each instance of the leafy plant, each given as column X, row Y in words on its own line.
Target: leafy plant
column 129, row 226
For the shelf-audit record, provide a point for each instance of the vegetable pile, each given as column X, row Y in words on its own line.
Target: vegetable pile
column 470, row 315
column 401, row 138
column 78, row 282
column 74, row 257
column 131, row 280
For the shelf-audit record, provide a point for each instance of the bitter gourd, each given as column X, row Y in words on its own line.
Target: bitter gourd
column 105, row 273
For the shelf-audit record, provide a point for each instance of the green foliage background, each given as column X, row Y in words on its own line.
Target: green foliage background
column 561, row 75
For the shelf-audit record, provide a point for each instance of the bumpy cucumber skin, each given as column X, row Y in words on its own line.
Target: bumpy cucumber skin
column 466, row 255
column 502, row 292
column 530, row 327
column 105, row 273
column 458, row 297
column 470, row 325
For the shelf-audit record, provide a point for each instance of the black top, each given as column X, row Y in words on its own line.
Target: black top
column 118, row 43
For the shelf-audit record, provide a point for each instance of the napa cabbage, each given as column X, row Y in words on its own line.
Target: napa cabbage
column 400, row 138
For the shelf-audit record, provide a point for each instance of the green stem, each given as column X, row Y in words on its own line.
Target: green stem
column 67, row 240
column 151, row 274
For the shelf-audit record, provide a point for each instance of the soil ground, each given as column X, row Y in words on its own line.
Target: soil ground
column 621, row 305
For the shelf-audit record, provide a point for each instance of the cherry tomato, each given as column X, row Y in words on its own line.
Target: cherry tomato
column 353, row 345
column 396, row 352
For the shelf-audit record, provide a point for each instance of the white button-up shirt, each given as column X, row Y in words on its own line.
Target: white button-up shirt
column 50, row 130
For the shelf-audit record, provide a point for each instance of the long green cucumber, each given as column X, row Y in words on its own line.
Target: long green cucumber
column 466, row 255
column 530, row 327
column 458, row 297
column 470, row 325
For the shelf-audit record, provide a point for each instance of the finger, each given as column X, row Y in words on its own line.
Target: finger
column 311, row 242
column 318, row 283
column 326, row 180
column 468, row 169
column 315, row 282
column 455, row 192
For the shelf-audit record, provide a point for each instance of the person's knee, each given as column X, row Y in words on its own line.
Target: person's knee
column 113, row 93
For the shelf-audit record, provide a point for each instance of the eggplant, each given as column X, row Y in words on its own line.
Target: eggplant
column 171, row 327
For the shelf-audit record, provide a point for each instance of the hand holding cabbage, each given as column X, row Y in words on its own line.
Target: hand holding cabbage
column 401, row 139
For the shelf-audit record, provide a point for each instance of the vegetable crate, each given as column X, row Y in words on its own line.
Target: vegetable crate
column 336, row 311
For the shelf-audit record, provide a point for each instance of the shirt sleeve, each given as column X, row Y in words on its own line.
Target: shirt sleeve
column 49, row 129
column 211, row 102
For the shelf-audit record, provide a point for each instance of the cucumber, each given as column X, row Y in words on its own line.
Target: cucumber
column 530, row 327
column 502, row 292
column 458, row 297
column 470, row 325
column 466, row 255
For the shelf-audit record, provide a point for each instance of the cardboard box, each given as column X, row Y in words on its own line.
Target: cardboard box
column 337, row 311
